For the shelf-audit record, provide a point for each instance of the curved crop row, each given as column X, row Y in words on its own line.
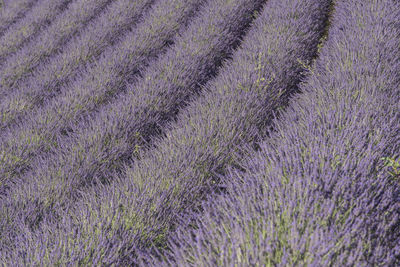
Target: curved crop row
column 39, row 17
column 48, row 81
column 164, row 21
column 196, row 56
column 112, row 137
column 13, row 11
column 71, row 22
column 317, row 192
column 117, row 221
column 86, row 95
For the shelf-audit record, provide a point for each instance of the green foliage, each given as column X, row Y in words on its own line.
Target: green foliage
column 391, row 162
column 307, row 66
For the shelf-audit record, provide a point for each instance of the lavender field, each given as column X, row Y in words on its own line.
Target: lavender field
column 199, row 133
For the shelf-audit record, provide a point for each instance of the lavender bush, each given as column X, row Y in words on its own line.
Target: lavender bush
column 317, row 192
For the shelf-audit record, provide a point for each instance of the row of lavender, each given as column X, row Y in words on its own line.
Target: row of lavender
column 196, row 56
column 67, row 25
column 317, row 192
column 38, row 18
column 112, row 223
column 173, row 18
column 51, row 79
column 13, row 10
column 76, row 97
column 109, row 140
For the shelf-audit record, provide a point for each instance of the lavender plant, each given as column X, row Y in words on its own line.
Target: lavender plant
column 39, row 17
column 316, row 193
column 12, row 11
column 59, row 72
column 72, row 21
column 114, row 223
